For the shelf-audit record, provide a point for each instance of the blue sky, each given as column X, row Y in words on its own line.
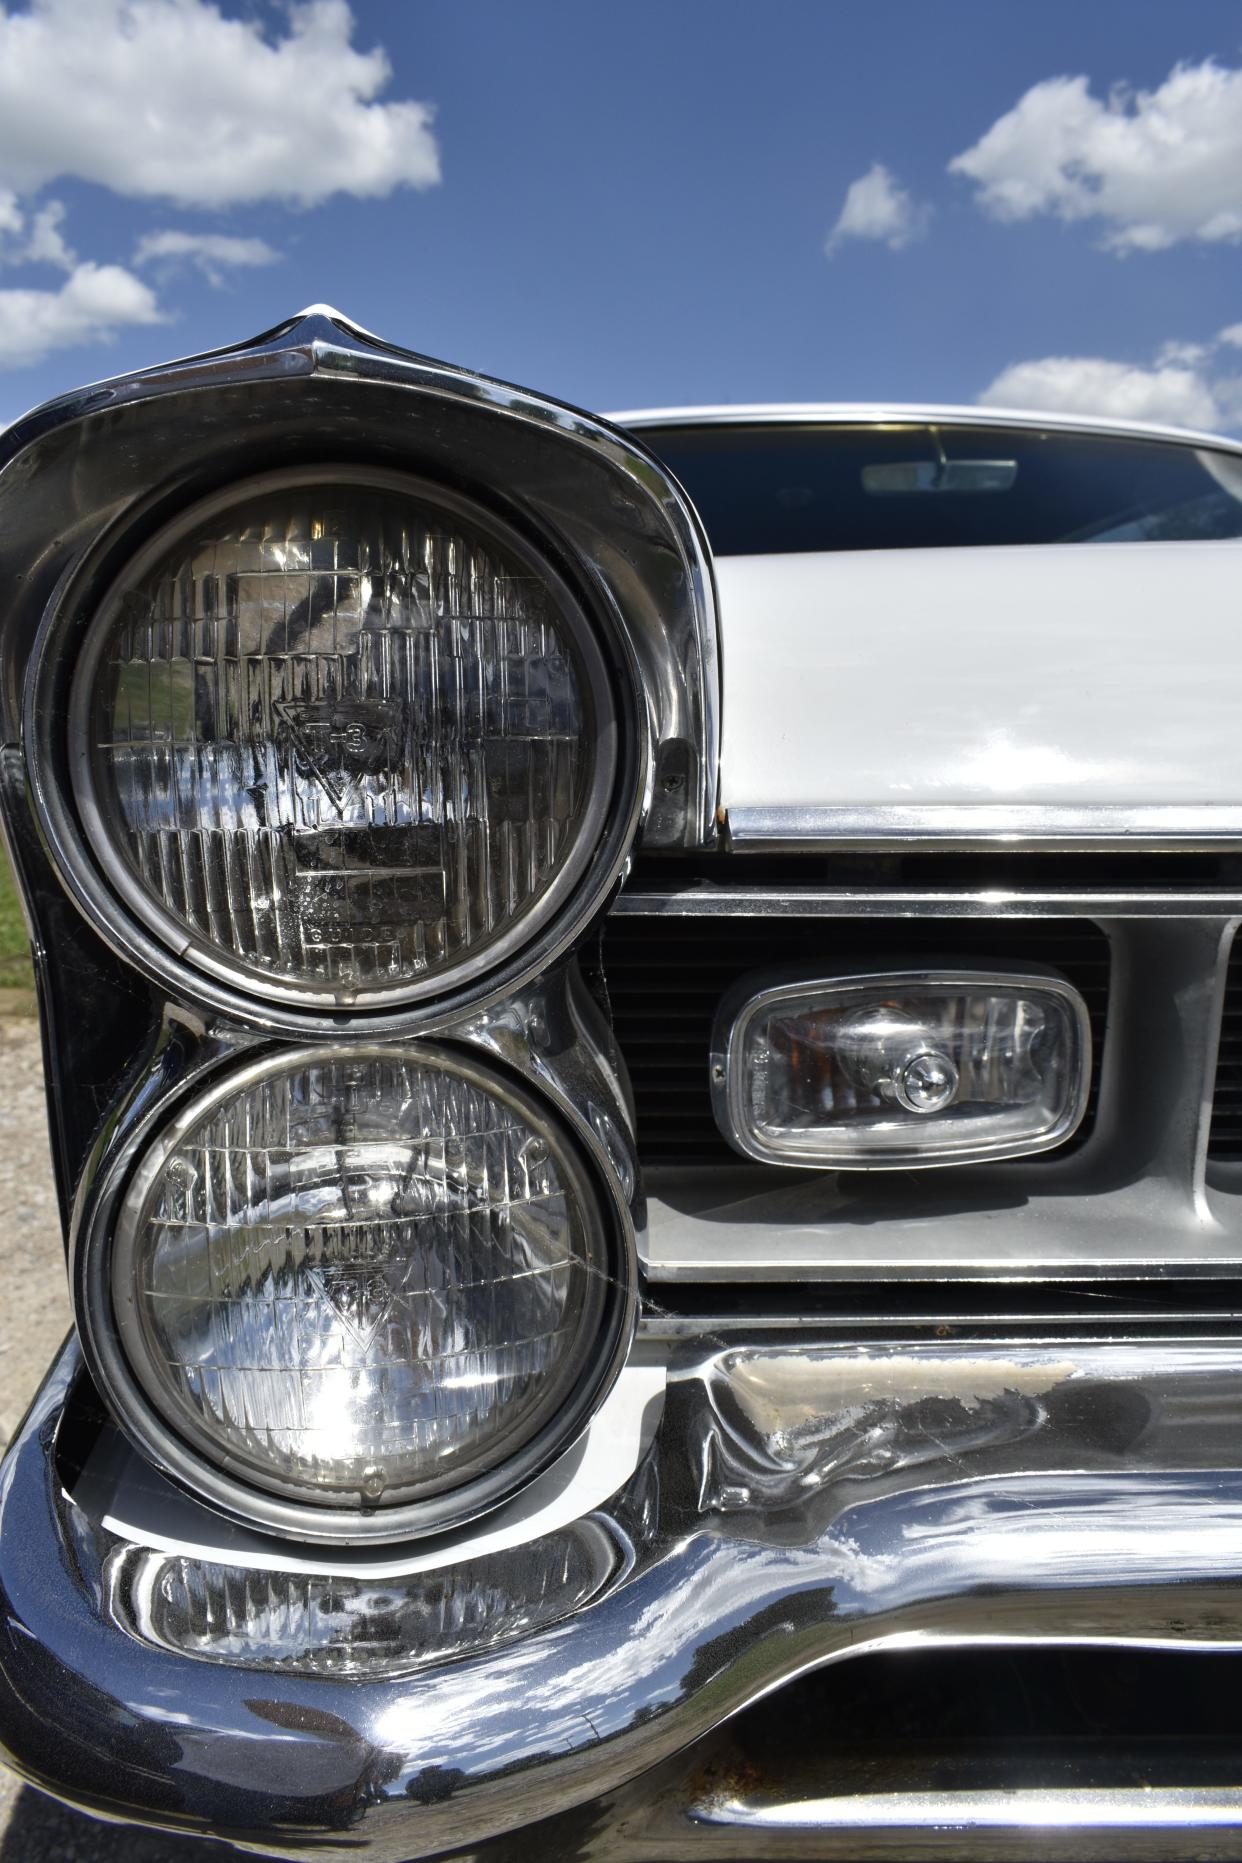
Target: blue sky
column 631, row 205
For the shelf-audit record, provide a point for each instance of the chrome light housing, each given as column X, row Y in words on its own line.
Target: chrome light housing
column 354, row 1292
column 353, row 721
column 339, row 685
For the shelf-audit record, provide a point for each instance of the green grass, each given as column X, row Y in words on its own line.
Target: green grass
column 15, row 972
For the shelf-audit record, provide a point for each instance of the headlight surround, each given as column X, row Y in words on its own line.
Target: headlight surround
column 391, row 803
column 378, row 1328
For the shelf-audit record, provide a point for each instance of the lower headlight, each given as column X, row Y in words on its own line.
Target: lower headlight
column 364, row 1292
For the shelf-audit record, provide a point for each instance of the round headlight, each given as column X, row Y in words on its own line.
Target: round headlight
column 371, row 1286
column 342, row 737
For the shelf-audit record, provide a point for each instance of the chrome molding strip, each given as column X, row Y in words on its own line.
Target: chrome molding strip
column 947, row 826
column 1051, row 1825
column 913, row 414
column 710, row 900
column 949, row 1812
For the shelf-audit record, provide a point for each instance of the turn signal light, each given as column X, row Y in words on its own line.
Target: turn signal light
column 901, row 1068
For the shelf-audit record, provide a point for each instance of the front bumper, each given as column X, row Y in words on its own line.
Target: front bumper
column 799, row 1502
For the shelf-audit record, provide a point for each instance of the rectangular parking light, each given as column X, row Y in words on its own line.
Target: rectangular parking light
column 901, row 1068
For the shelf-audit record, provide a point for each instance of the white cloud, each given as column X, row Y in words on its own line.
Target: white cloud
column 1092, row 385
column 877, row 207
column 1188, row 383
column 1179, row 355
column 168, row 99
column 46, row 244
column 36, row 241
column 213, row 253
column 1154, row 167
column 94, row 302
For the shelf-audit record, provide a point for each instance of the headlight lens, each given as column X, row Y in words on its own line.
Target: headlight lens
column 344, row 738
column 362, row 1279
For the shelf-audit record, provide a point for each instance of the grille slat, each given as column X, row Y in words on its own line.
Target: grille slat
column 1225, row 1136
column 666, row 975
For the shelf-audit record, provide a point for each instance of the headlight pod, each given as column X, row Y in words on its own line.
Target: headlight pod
column 340, row 741
column 355, row 1293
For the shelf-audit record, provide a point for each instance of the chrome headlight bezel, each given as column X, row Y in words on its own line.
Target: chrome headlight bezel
column 108, row 1206
column 57, row 723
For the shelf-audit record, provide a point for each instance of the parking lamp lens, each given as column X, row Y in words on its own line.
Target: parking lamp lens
column 903, row 1068
column 361, row 1279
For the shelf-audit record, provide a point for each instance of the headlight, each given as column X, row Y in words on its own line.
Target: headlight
column 342, row 739
column 361, row 1292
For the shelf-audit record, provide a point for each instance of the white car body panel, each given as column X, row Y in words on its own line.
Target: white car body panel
column 1087, row 676
column 1052, row 693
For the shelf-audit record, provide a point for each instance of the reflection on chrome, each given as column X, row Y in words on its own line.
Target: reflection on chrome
column 310, row 1624
column 1057, row 1491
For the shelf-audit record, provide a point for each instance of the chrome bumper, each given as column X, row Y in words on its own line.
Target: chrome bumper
column 799, row 1503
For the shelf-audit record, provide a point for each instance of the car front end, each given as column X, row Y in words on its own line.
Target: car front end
column 646, row 1104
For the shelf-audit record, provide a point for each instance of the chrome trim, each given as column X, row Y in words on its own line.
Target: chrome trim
column 86, row 477
column 917, row 414
column 149, row 1514
column 550, row 1041
column 949, row 1815
column 799, row 1505
column 99, row 873
column 755, row 995
column 713, row 899
column 946, row 826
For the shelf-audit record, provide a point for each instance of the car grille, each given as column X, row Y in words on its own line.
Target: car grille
column 665, row 976
column 1225, row 1139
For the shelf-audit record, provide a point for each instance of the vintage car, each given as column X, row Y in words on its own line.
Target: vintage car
column 646, row 1091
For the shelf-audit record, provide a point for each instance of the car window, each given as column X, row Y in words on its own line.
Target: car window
column 767, row 489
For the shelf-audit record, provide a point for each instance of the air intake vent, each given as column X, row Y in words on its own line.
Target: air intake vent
column 665, row 976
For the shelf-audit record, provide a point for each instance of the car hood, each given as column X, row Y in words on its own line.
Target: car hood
column 1014, row 678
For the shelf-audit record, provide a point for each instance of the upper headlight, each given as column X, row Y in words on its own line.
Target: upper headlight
column 342, row 737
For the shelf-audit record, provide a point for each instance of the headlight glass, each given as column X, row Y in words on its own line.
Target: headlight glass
column 344, row 738
column 359, row 1279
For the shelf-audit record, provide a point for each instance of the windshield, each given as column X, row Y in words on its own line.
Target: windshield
column 763, row 490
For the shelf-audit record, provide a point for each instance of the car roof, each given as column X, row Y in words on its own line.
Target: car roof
column 899, row 413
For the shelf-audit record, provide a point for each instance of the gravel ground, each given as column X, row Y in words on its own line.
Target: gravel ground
column 36, row 1318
